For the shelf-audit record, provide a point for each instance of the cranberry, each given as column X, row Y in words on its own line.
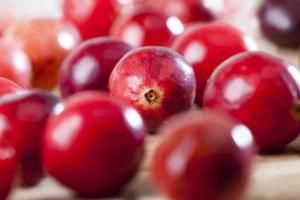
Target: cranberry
column 7, row 86
column 262, row 91
column 206, row 46
column 156, row 81
column 95, row 145
column 46, row 50
column 280, row 22
column 93, row 17
column 15, row 63
column 203, row 155
column 27, row 114
column 8, row 164
column 192, row 10
column 89, row 66
column 145, row 27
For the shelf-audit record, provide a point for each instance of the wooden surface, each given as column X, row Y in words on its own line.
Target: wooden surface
column 275, row 177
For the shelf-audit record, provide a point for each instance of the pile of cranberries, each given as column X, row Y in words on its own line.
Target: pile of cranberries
column 127, row 69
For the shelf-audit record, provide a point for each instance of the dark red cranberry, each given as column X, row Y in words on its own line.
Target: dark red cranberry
column 47, row 42
column 206, row 46
column 89, row 66
column 27, row 114
column 93, row 17
column 7, row 86
column 156, row 81
column 8, row 163
column 95, row 145
column 15, row 63
column 203, row 155
column 145, row 27
column 280, row 22
column 262, row 91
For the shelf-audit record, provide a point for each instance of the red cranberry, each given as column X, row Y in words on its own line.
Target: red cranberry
column 280, row 22
column 145, row 27
column 203, row 155
column 156, row 81
column 15, row 63
column 95, row 145
column 93, row 17
column 89, row 66
column 206, row 46
column 46, row 50
column 8, row 164
column 192, row 10
column 7, row 86
column 261, row 91
column 27, row 114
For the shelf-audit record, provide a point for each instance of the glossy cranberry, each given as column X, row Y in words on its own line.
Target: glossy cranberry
column 15, row 63
column 27, row 114
column 262, row 91
column 145, row 27
column 95, row 145
column 206, row 46
column 203, row 155
column 280, row 22
column 88, row 67
column 93, row 17
column 8, row 165
column 192, row 10
column 7, row 86
column 156, row 81
column 47, row 42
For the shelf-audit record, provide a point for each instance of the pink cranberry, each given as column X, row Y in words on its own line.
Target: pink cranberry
column 15, row 63
column 95, row 145
column 88, row 67
column 93, row 17
column 26, row 114
column 8, row 164
column 47, row 42
column 145, row 27
column 156, row 81
column 280, row 22
column 206, row 46
column 203, row 155
column 262, row 91
column 7, row 86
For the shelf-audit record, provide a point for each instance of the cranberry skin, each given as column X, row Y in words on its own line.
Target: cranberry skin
column 206, row 46
column 262, row 91
column 7, row 87
column 156, row 81
column 46, row 51
column 27, row 114
column 93, row 17
column 94, row 140
column 280, row 22
column 89, row 66
column 203, row 155
column 8, row 165
column 190, row 11
column 15, row 63
column 146, row 27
